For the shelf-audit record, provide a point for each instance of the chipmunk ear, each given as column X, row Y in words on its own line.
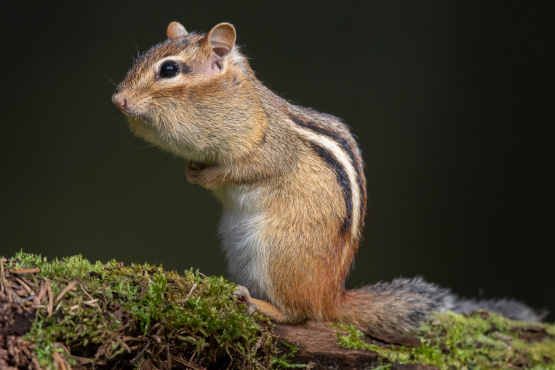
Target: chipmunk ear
column 221, row 39
column 176, row 29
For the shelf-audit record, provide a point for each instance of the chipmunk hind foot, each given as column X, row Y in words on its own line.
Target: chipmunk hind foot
column 265, row 308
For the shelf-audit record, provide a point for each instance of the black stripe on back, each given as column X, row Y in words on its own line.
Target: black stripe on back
column 344, row 144
column 343, row 180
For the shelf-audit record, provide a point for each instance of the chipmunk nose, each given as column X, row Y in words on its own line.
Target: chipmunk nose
column 120, row 102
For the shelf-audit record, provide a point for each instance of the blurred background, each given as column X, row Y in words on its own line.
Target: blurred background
column 451, row 102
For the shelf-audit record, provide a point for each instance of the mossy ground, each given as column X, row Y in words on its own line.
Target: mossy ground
column 107, row 313
column 71, row 312
column 481, row 340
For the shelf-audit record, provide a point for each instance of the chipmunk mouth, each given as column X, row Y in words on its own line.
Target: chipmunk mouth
column 130, row 107
column 141, row 117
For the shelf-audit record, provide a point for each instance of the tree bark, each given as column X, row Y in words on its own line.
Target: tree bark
column 318, row 349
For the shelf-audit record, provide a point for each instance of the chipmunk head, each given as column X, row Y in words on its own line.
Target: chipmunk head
column 190, row 95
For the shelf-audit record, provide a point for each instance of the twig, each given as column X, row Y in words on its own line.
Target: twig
column 187, row 363
column 92, row 302
column 168, row 356
column 124, row 345
column 154, row 326
column 258, row 344
column 131, row 339
column 59, row 363
column 30, row 292
column 84, row 360
column 116, row 363
column 66, row 289
column 87, row 293
column 50, row 298
column 21, row 270
column 140, row 354
column 3, row 282
column 2, row 275
column 32, row 284
column 60, row 345
column 73, row 308
column 42, row 294
column 188, row 295
column 229, row 366
column 25, row 286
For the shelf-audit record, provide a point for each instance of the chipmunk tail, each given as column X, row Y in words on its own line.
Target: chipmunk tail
column 403, row 304
column 510, row 308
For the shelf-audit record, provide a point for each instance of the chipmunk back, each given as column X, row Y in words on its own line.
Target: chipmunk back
column 290, row 179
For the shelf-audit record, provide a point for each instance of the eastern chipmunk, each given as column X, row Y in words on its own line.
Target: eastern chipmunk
column 290, row 179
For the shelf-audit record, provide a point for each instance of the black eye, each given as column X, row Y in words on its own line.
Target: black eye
column 169, row 70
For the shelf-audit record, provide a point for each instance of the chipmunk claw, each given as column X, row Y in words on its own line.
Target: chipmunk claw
column 244, row 296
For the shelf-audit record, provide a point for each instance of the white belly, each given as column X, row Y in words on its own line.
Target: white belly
column 241, row 229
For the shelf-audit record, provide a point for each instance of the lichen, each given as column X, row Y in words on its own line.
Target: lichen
column 106, row 313
column 481, row 340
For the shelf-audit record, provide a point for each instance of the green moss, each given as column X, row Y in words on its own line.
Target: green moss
column 116, row 310
column 478, row 341
column 138, row 313
column 284, row 362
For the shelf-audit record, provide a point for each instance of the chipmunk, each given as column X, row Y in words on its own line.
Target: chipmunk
column 290, row 179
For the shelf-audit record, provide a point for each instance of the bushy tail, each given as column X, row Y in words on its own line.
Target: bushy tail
column 402, row 304
column 510, row 308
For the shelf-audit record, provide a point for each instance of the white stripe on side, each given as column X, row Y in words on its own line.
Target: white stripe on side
column 343, row 158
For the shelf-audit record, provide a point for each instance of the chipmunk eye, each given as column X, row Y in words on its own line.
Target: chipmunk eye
column 169, row 70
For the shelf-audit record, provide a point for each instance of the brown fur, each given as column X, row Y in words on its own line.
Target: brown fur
column 240, row 136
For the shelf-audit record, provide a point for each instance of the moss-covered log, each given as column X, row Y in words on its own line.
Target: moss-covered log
column 75, row 314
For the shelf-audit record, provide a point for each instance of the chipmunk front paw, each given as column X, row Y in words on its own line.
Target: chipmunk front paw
column 244, row 296
column 193, row 171
column 208, row 177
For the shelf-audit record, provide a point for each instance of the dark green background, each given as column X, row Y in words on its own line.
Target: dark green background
column 452, row 104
